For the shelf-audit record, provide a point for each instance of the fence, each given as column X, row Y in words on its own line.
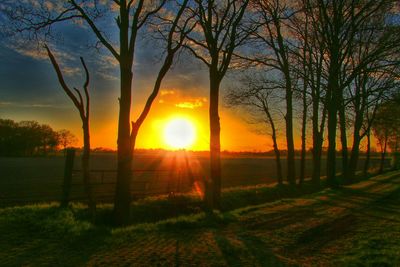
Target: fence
column 145, row 182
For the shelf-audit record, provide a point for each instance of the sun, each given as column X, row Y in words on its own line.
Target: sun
column 179, row 133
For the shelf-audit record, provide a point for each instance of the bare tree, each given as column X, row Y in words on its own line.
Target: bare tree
column 270, row 19
column 337, row 25
column 258, row 95
column 83, row 106
column 386, row 128
column 130, row 18
column 369, row 90
column 218, row 34
column 310, row 67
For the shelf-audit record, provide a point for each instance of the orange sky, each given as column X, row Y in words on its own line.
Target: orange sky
column 235, row 134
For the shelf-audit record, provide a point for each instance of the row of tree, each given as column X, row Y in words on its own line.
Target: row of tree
column 336, row 59
column 386, row 128
column 334, row 62
column 29, row 138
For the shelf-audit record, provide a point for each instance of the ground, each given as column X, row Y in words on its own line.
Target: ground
column 356, row 225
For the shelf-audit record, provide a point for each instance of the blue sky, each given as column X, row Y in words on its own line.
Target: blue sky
column 29, row 89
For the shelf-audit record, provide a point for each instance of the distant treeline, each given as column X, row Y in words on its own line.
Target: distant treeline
column 30, row 138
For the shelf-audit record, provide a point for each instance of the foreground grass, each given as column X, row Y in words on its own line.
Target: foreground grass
column 353, row 226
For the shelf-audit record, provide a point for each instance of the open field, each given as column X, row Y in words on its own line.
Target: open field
column 28, row 180
column 357, row 225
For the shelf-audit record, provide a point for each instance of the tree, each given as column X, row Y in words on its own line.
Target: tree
column 83, row 107
column 130, row 18
column 258, row 95
column 32, row 137
column 309, row 59
column 8, row 129
column 369, row 90
column 270, row 18
column 26, row 138
column 218, row 35
column 337, row 27
column 386, row 128
column 66, row 138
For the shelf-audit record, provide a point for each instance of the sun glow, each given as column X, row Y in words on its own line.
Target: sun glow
column 179, row 133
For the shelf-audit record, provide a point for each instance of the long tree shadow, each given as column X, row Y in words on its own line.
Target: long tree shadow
column 254, row 252
column 55, row 239
column 261, row 252
column 229, row 252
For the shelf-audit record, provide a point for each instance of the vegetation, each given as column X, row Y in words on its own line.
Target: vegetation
column 83, row 107
column 336, row 61
column 29, row 138
column 331, row 227
column 386, row 128
column 221, row 33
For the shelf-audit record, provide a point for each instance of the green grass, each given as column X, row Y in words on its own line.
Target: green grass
column 31, row 180
column 357, row 225
column 153, row 209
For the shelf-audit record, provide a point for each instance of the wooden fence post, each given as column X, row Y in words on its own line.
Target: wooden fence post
column 69, row 165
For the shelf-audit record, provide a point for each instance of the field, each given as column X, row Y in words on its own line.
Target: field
column 357, row 225
column 30, row 180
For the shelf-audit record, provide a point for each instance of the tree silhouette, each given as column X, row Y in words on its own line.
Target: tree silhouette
column 66, row 138
column 218, row 35
column 26, row 138
column 36, row 20
column 82, row 104
column 258, row 95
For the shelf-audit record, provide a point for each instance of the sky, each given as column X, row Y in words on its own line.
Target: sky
column 29, row 90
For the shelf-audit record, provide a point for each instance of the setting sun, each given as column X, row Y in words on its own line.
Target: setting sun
column 179, row 133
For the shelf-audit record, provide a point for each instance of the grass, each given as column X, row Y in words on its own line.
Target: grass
column 29, row 180
column 357, row 225
column 153, row 209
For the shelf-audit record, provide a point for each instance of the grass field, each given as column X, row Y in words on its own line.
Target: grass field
column 356, row 225
column 31, row 180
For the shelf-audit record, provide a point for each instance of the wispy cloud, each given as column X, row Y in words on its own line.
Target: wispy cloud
column 181, row 99
column 165, row 92
column 29, row 105
column 192, row 104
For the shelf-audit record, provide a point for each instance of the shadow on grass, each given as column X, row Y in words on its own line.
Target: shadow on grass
column 54, row 234
column 251, row 251
column 159, row 208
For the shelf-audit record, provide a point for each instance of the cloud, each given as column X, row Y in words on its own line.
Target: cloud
column 110, row 60
column 29, row 51
column 181, row 99
column 165, row 92
column 192, row 104
column 29, row 105
column 64, row 59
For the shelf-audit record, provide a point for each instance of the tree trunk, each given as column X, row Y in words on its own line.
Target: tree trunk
column 214, row 197
column 332, row 123
column 317, row 139
column 276, row 149
column 368, row 153
column 343, row 139
column 317, row 158
column 86, row 169
column 122, row 192
column 278, row 162
column 303, row 139
column 333, row 102
column 383, row 156
column 291, row 166
column 355, row 152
